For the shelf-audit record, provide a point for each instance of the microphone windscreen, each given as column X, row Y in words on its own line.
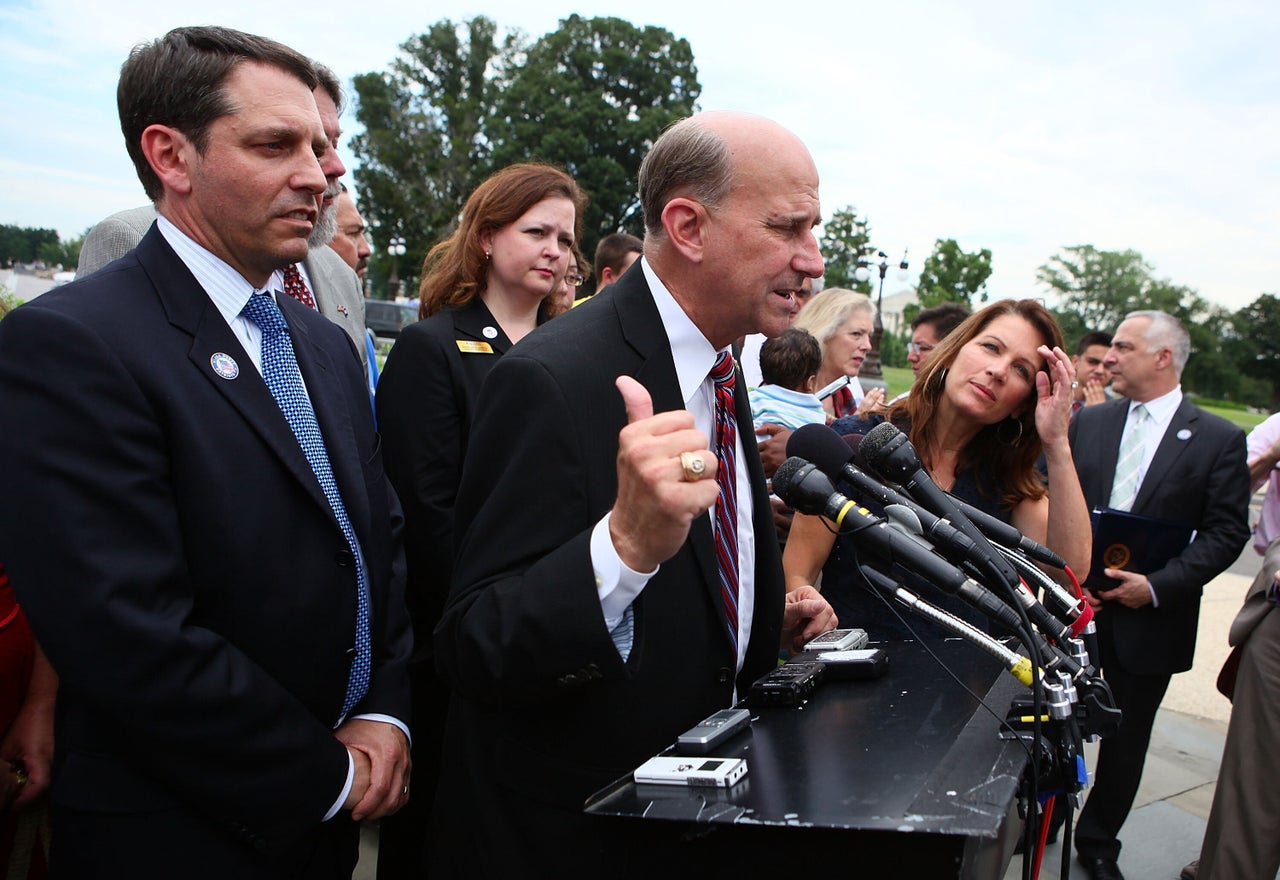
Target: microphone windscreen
column 820, row 445
column 875, row 441
column 785, row 475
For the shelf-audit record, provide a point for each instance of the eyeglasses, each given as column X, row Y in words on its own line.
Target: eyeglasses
column 573, row 279
column 919, row 348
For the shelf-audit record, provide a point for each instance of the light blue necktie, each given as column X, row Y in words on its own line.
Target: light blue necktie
column 280, row 370
column 1124, row 488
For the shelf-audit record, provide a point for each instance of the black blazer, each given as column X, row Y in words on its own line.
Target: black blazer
column 545, row 710
column 1200, row 477
column 426, row 399
column 179, row 562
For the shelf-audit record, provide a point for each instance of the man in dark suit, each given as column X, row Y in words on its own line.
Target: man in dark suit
column 590, row 620
column 213, row 574
column 337, row 293
column 1158, row 455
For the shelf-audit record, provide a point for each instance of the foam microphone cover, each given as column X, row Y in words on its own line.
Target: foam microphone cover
column 820, row 445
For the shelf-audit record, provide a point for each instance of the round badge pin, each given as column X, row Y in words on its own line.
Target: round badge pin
column 490, row 332
column 1184, row 434
column 224, row 365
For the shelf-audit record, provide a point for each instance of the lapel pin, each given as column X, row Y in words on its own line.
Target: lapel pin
column 224, row 365
column 1184, row 434
column 490, row 332
column 343, row 309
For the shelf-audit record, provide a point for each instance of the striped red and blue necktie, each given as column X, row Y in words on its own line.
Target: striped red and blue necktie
column 727, row 502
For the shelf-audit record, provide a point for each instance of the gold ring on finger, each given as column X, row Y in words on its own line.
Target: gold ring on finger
column 693, row 466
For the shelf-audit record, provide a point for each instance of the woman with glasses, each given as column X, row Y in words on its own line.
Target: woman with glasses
column 483, row 289
column 562, row 299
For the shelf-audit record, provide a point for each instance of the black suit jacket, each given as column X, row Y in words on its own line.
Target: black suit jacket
column 426, row 399
column 179, row 562
column 1200, row 477
column 545, row 709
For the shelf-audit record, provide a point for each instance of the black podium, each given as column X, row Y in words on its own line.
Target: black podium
column 904, row 776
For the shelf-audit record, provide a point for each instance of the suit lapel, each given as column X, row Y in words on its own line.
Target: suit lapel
column 643, row 330
column 474, row 322
column 1178, row 437
column 1104, row 448
column 189, row 308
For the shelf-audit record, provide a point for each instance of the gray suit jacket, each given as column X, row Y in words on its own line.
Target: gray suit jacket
column 338, row 295
column 113, row 237
column 335, row 285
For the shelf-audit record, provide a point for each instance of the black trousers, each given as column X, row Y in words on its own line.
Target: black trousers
column 1120, row 757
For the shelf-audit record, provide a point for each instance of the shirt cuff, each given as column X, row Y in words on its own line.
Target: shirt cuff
column 351, row 764
column 346, row 789
column 1155, row 600
column 616, row 584
column 388, row 719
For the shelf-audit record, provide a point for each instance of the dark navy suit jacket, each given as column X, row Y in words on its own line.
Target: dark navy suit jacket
column 179, row 562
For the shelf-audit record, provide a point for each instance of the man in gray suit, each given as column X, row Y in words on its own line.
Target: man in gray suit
column 334, row 286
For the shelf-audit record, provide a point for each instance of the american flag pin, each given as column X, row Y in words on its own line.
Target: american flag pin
column 224, row 365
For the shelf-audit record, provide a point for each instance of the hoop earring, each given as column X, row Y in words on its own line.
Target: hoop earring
column 940, row 379
column 1017, row 438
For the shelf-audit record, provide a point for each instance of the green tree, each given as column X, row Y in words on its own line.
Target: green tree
column 62, row 253
column 590, row 97
column 1095, row 289
column 949, row 274
column 846, row 239
column 1257, row 347
column 426, row 142
column 1211, row 371
column 21, row 244
column 458, row 103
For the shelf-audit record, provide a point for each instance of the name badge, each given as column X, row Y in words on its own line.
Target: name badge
column 470, row 346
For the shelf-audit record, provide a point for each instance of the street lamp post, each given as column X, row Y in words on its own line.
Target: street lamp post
column 871, row 366
column 396, row 250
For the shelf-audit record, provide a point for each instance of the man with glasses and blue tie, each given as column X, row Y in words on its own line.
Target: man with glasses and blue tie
column 193, row 509
column 1154, row 454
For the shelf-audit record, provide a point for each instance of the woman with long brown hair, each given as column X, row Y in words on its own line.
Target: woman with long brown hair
column 483, row 289
column 994, row 396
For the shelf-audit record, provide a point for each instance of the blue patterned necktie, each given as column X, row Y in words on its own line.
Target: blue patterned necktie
column 722, row 374
column 280, row 370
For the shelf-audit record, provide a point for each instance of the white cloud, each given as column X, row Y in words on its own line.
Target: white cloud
column 1024, row 128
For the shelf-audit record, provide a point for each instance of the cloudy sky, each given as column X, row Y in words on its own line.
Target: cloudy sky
column 1020, row 127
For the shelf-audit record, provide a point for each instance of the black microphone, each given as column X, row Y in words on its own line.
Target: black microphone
column 996, row 530
column 805, row 488
column 891, row 454
column 832, row 454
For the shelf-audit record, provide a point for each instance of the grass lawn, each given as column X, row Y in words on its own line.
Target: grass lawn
column 1243, row 418
column 899, row 380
